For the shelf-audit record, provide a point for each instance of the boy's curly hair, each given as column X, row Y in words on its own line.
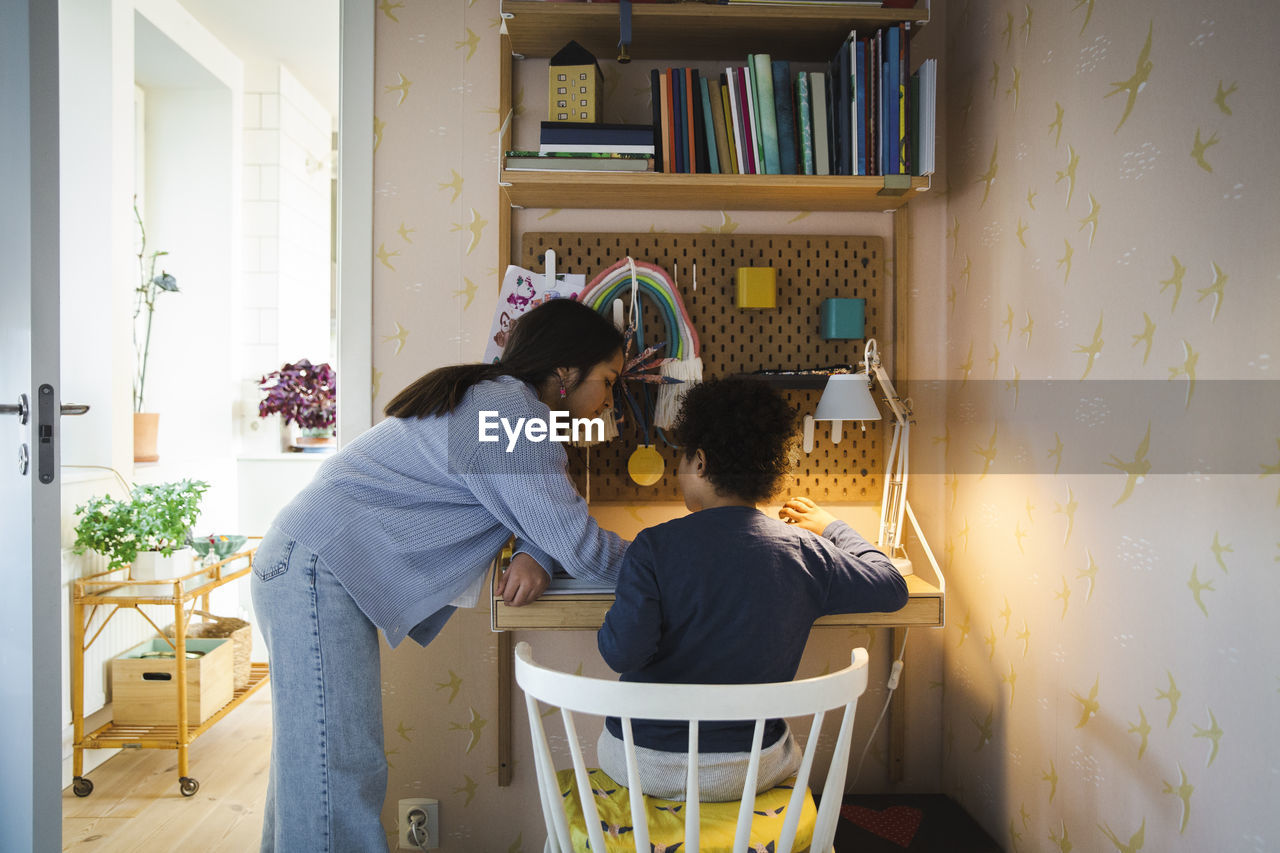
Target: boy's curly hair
column 747, row 431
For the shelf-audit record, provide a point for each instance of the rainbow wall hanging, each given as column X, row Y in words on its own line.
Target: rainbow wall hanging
column 683, row 362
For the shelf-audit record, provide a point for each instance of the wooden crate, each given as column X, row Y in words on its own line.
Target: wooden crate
column 144, row 691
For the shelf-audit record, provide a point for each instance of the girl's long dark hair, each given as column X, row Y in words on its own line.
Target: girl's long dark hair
column 558, row 333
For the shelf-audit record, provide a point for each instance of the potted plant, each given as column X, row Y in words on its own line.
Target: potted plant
column 304, row 395
column 146, row 425
column 146, row 531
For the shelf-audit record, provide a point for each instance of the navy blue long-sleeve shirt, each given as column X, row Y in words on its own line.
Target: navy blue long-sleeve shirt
column 727, row 595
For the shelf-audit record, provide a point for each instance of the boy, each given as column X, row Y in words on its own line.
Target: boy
column 727, row 595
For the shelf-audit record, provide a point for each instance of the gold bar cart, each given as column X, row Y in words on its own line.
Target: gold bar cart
column 114, row 589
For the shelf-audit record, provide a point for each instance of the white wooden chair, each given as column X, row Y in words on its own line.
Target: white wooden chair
column 691, row 703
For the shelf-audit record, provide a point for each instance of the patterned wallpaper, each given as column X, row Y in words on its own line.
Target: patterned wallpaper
column 1105, row 672
column 1109, row 446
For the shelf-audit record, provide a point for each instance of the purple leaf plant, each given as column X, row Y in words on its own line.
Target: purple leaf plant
column 301, row 393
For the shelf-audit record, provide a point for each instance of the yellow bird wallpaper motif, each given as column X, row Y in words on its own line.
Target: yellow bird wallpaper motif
column 1135, row 469
column 1135, row 842
column 1137, row 82
column 1142, row 729
column 1147, row 336
column 1199, row 148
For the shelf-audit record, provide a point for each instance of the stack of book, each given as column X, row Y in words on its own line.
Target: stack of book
column 583, row 147
column 864, row 115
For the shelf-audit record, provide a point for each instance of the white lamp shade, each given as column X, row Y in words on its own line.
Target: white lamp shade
column 847, row 397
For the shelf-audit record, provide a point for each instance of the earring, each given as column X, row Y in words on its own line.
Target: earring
column 564, row 392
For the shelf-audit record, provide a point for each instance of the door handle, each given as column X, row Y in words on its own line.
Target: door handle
column 22, row 409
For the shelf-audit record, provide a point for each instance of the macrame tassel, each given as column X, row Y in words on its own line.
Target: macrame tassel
column 610, row 429
column 689, row 372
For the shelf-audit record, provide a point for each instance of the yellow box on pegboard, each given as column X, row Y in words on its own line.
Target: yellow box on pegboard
column 757, row 287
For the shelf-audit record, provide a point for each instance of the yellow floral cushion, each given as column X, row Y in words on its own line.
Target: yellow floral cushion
column 666, row 818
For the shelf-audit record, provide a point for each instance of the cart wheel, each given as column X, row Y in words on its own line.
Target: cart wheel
column 81, row 786
column 187, row 786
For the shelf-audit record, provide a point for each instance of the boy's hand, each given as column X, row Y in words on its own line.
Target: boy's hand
column 806, row 514
column 523, row 581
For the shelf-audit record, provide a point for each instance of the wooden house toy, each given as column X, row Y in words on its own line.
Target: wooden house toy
column 575, row 85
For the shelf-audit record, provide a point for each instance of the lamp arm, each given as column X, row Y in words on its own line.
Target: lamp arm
column 893, row 504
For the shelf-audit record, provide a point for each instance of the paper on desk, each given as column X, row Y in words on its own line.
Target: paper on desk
column 568, row 585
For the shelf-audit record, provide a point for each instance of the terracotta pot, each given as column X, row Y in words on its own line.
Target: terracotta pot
column 146, row 429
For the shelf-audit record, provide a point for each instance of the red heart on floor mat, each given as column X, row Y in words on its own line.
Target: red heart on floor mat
column 897, row 824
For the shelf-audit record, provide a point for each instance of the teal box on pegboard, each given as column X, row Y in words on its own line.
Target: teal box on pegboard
column 844, row 319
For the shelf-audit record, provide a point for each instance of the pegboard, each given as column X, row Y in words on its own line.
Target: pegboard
column 735, row 340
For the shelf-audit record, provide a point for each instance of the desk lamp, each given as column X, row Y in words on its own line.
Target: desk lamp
column 847, row 397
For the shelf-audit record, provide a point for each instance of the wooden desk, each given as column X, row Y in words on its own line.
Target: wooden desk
column 585, row 612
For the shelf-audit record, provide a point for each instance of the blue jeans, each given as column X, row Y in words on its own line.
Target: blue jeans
column 328, row 769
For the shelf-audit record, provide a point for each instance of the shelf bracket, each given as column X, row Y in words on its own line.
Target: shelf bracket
column 895, row 185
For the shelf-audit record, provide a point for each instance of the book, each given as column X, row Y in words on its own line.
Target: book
column 586, row 163
column 677, row 109
column 735, row 120
column 893, row 101
column 727, row 122
column 927, row 107
column 838, row 77
column 821, row 159
column 855, row 105
column 672, row 133
column 698, row 143
column 723, row 157
column 709, row 128
column 804, row 124
column 566, row 155
column 594, row 148
column 860, row 131
column 904, row 80
column 766, row 111
column 578, row 133
column 668, row 163
column 752, row 121
column 655, row 106
column 784, row 111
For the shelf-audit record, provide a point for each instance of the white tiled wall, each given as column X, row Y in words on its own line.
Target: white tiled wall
column 286, row 276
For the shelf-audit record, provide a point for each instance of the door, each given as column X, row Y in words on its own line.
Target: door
column 30, row 635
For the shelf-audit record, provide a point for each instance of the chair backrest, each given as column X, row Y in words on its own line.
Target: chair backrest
column 691, row 703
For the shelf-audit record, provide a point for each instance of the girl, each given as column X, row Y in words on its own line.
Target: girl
column 394, row 531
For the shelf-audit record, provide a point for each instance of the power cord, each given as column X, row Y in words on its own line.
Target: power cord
column 418, row 828
column 895, row 673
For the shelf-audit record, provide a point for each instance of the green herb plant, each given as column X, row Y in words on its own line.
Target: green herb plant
column 155, row 517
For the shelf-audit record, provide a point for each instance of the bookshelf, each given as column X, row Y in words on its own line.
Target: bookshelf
column 672, row 191
column 693, row 30
column 661, row 32
column 697, row 31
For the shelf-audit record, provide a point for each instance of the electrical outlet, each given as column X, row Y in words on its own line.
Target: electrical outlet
column 432, row 810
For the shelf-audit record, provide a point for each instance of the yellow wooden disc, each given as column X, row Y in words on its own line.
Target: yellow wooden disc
column 646, row 465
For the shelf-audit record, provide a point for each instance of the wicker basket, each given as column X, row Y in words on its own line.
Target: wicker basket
column 240, row 633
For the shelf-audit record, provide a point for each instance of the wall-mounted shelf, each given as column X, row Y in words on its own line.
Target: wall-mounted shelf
column 694, row 30
column 671, row 191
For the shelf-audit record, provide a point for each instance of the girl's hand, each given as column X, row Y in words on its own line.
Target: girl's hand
column 523, row 581
column 806, row 514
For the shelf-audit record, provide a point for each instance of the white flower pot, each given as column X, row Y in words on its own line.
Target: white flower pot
column 152, row 565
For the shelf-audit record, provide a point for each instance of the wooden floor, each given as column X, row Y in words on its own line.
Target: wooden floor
column 135, row 804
